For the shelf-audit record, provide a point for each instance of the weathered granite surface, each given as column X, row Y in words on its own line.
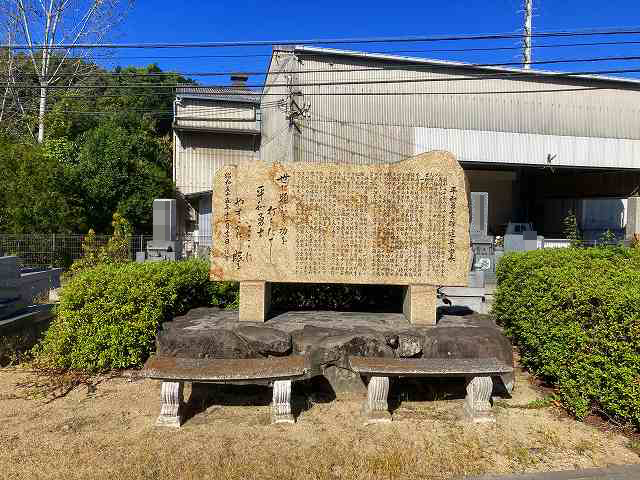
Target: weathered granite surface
column 402, row 223
column 330, row 337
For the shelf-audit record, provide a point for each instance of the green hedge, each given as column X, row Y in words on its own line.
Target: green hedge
column 109, row 315
column 575, row 315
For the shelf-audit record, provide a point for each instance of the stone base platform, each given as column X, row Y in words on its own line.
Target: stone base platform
column 349, row 350
column 329, row 338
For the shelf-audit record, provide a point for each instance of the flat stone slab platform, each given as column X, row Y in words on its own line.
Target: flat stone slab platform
column 225, row 370
column 433, row 367
column 330, row 338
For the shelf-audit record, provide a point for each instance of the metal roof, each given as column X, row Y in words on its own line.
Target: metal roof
column 219, row 93
column 520, row 73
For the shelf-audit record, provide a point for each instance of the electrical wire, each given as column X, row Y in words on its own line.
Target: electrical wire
column 326, row 41
column 302, row 54
column 483, row 76
column 419, row 66
column 280, row 105
column 155, row 112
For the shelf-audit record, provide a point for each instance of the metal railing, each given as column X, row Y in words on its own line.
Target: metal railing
column 54, row 250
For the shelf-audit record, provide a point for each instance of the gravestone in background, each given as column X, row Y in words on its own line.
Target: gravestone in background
column 164, row 220
column 10, row 299
column 404, row 223
column 481, row 241
column 479, row 215
column 164, row 245
column 19, row 287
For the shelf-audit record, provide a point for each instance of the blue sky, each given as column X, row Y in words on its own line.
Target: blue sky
column 204, row 21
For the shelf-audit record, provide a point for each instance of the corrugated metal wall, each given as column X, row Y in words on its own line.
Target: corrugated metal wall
column 530, row 148
column 198, row 113
column 204, row 219
column 467, row 105
column 371, row 129
column 199, row 155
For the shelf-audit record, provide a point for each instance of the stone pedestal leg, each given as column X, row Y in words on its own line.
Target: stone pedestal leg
column 477, row 405
column 255, row 301
column 420, row 304
column 281, row 405
column 171, row 407
column 376, row 408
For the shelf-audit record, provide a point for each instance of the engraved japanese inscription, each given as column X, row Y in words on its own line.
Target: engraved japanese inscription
column 399, row 223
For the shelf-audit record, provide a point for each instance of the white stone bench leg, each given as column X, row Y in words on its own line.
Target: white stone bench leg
column 477, row 403
column 172, row 403
column 281, row 405
column 376, row 408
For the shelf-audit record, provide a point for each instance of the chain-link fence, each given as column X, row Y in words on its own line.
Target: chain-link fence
column 52, row 250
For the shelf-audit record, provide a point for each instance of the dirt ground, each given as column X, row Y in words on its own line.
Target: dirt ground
column 106, row 430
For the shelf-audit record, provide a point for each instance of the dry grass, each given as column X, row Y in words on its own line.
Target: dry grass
column 104, row 429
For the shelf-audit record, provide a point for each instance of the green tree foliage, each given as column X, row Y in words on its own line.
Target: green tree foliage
column 116, row 250
column 575, row 314
column 109, row 315
column 34, row 192
column 117, row 170
column 106, row 150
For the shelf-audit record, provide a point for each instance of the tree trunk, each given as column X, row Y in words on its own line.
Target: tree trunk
column 41, row 112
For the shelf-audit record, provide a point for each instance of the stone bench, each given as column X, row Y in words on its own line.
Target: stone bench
column 478, row 373
column 278, row 372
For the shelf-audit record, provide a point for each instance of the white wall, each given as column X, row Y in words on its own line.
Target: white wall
column 529, row 148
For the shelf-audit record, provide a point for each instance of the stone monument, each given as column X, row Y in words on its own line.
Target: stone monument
column 404, row 223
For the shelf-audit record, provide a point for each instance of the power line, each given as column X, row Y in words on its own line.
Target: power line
column 414, row 66
column 169, row 114
column 277, row 104
column 325, row 41
column 265, row 106
column 302, row 54
column 483, row 76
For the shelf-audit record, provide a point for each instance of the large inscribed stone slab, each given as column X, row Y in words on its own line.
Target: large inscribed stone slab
column 400, row 223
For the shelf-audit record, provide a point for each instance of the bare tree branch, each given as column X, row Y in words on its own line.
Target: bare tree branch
column 47, row 25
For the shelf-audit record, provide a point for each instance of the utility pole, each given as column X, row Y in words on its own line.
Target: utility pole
column 526, row 37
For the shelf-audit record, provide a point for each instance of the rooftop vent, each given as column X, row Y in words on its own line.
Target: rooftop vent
column 239, row 79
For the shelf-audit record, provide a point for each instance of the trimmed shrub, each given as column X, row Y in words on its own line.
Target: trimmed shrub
column 109, row 315
column 575, row 314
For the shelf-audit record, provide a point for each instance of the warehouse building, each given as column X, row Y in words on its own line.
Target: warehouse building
column 539, row 143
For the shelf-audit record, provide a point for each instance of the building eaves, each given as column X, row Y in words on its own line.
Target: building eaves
column 219, row 93
column 518, row 73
